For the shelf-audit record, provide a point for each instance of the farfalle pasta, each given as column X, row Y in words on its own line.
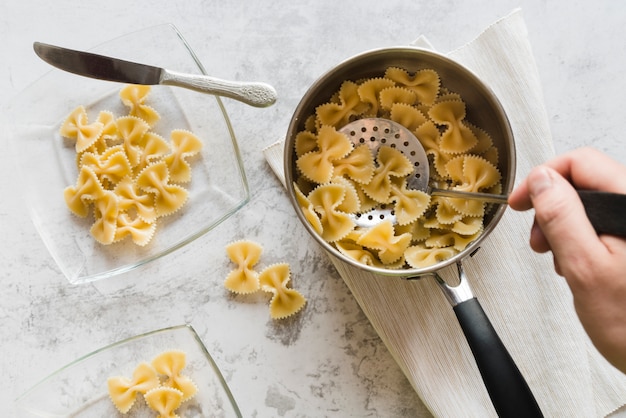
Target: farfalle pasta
column 128, row 175
column 274, row 279
column 339, row 181
column 161, row 382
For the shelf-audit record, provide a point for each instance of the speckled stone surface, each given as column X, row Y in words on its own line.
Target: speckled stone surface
column 327, row 360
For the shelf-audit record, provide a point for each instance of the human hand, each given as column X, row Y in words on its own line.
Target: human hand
column 594, row 266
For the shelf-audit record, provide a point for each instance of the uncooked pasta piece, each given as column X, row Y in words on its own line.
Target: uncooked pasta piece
column 87, row 189
column 358, row 165
column 307, row 210
column 123, row 391
column 245, row 254
column 350, row 202
column 170, row 364
column 382, row 237
column 76, row 127
column 445, row 213
column 409, row 204
column 447, row 239
column 457, row 137
column 325, row 200
column 358, row 253
column 131, row 130
column 369, row 92
column 317, row 165
column 138, row 229
column 106, row 210
column 394, row 95
column 338, row 114
column 112, row 167
column 165, row 401
column 406, row 115
column 420, row 257
column 478, row 174
column 184, row 145
column 417, row 230
column 391, row 163
column 134, row 96
column 132, row 199
column 168, row 198
column 424, row 83
column 154, row 147
column 306, row 141
column 285, row 301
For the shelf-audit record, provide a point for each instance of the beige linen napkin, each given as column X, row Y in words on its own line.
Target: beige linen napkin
column 529, row 305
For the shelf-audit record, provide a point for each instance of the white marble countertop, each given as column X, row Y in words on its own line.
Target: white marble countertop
column 328, row 361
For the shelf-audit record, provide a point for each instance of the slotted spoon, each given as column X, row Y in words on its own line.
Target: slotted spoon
column 604, row 209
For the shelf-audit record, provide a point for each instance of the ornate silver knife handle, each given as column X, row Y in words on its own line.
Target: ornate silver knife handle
column 253, row 93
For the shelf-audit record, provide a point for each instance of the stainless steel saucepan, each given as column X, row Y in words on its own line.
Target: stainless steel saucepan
column 505, row 384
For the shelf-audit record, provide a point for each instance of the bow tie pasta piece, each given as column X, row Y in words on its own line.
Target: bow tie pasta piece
column 305, row 141
column 393, row 95
column 244, row 279
column 446, row 213
column 132, row 199
column 358, row 165
column 123, row 391
column 184, row 145
column 165, row 401
column 417, row 230
column 285, row 301
column 369, row 92
column 77, row 127
column 131, row 130
column 88, row 188
column 424, row 83
column 134, row 97
column 307, row 210
column 479, row 174
column 391, row 163
column 407, row 116
column 350, row 202
column 420, row 257
column 325, row 200
column 139, row 230
column 382, row 237
column 107, row 119
column 358, row 253
column 409, row 205
column 168, row 198
column 170, row 364
column 106, row 210
column 110, row 167
column 154, row 147
column 317, row 165
column 348, row 105
column 457, row 138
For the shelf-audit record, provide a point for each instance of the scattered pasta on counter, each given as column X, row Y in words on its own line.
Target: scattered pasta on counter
column 338, row 180
column 160, row 382
column 129, row 176
column 274, row 279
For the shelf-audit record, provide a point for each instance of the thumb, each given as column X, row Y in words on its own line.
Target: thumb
column 560, row 215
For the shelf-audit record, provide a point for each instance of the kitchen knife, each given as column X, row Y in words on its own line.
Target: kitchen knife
column 112, row 69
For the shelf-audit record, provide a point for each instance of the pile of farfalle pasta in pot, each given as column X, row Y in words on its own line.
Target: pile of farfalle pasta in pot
column 161, row 383
column 337, row 179
column 128, row 175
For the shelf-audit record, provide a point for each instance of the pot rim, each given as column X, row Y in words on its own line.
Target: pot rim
column 298, row 119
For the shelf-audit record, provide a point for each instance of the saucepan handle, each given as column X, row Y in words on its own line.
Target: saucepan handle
column 505, row 384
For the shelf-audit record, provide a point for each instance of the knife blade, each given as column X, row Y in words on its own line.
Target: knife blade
column 102, row 67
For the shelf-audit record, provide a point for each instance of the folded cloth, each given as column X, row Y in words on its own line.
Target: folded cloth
column 529, row 305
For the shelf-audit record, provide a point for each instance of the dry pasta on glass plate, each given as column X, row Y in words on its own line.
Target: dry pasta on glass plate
column 163, row 371
column 168, row 155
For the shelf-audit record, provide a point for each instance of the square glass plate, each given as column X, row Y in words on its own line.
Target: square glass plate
column 46, row 162
column 80, row 388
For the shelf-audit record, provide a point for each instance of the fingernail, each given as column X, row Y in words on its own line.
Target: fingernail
column 539, row 181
